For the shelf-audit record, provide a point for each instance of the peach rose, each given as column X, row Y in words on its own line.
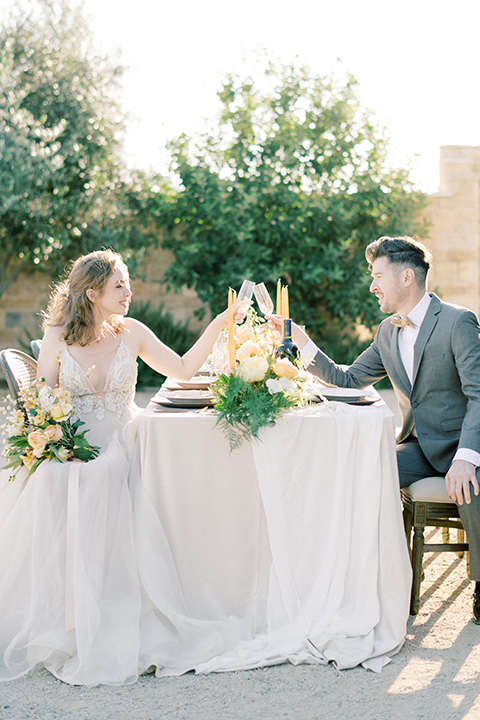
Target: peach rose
column 37, row 441
column 285, row 368
column 54, row 433
column 242, row 332
column 247, row 350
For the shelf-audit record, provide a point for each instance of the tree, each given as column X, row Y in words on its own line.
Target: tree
column 292, row 183
column 63, row 186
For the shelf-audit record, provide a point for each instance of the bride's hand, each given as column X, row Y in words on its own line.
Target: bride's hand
column 239, row 311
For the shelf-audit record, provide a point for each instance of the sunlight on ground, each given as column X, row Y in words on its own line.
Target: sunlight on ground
column 474, row 712
column 455, row 700
column 470, row 669
column 417, row 675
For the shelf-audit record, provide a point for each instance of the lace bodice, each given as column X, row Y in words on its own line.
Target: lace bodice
column 118, row 395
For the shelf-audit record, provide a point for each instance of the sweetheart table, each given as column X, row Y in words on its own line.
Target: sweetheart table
column 297, row 539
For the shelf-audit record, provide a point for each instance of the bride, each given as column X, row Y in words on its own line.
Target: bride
column 88, row 588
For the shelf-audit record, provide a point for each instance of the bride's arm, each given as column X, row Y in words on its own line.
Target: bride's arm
column 48, row 366
column 167, row 362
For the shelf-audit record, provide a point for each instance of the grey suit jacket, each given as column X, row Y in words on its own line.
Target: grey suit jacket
column 444, row 400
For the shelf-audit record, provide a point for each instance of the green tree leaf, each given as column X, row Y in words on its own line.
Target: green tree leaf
column 292, row 182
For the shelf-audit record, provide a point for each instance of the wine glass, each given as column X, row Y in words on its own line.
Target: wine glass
column 262, row 296
column 246, row 291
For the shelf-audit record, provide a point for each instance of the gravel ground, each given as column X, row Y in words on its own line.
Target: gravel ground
column 436, row 674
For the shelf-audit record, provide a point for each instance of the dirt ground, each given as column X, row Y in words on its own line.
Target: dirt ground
column 435, row 675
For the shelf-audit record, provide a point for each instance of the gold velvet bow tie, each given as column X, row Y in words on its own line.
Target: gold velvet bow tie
column 402, row 322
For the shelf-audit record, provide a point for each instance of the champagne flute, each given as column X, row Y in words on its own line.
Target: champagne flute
column 245, row 295
column 264, row 301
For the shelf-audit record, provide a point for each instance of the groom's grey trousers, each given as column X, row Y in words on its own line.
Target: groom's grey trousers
column 413, row 465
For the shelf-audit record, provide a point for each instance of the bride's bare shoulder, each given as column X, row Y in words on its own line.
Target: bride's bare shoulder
column 134, row 327
column 52, row 341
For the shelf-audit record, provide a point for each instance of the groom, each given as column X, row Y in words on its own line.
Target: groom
column 430, row 350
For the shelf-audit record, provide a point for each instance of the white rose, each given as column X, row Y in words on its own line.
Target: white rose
column 281, row 385
column 288, row 386
column 273, row 386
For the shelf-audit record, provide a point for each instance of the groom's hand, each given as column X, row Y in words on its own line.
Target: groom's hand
column 458, row 479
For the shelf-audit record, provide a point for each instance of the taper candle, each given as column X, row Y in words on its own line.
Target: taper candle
column 286, row 302
column 231, row 339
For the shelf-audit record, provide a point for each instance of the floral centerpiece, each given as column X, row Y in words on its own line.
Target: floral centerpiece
column 41, row 429
column 261, row 387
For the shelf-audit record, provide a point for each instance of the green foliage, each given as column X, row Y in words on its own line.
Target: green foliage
column 245, row 408
column 292, row 183
column 178, row 336
column 63, row 187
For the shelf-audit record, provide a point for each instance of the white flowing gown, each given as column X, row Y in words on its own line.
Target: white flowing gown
column 88, row 588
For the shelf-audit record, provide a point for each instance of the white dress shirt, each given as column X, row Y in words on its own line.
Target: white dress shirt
column 407, row 337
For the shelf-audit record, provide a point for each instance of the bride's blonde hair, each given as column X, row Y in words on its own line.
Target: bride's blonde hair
column 69, row 307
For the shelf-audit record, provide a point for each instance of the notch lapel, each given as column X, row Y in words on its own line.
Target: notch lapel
column 426, row 329
column 398, row 365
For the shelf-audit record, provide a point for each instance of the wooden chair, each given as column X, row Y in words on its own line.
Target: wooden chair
column 35, row 346
column 427, row 504
column 20, row 370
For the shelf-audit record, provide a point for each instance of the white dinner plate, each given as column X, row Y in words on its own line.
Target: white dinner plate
column 350, row 395
column 198, row 382
column 184, row 398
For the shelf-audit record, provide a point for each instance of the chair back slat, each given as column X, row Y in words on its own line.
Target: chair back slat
column 20, row 370
column 35, row 346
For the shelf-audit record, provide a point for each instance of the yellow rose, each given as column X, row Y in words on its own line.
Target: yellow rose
column 253, row 369
column 60, row 411
column 28, row 460
column 64, row 454
column 285, row 368
column 247, row 350
column 54, row 433
column 37, row 441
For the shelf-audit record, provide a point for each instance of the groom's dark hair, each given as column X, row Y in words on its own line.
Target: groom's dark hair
column 403, row 251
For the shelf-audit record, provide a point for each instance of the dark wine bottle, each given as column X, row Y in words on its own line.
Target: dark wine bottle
column 287, row 348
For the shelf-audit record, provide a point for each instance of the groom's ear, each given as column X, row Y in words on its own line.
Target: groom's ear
column 409, row 276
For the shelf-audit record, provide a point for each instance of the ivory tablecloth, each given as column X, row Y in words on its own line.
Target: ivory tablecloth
column 296, row 540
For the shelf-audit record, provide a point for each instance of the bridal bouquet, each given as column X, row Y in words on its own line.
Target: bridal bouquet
column 261, row 388
column 43, row 430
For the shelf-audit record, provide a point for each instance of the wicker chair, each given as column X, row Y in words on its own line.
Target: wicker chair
column 426, row 504
column 20, row 370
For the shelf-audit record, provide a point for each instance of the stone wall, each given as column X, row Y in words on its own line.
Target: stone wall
column 22, row 304
column 454, row 238
column 454, row 235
